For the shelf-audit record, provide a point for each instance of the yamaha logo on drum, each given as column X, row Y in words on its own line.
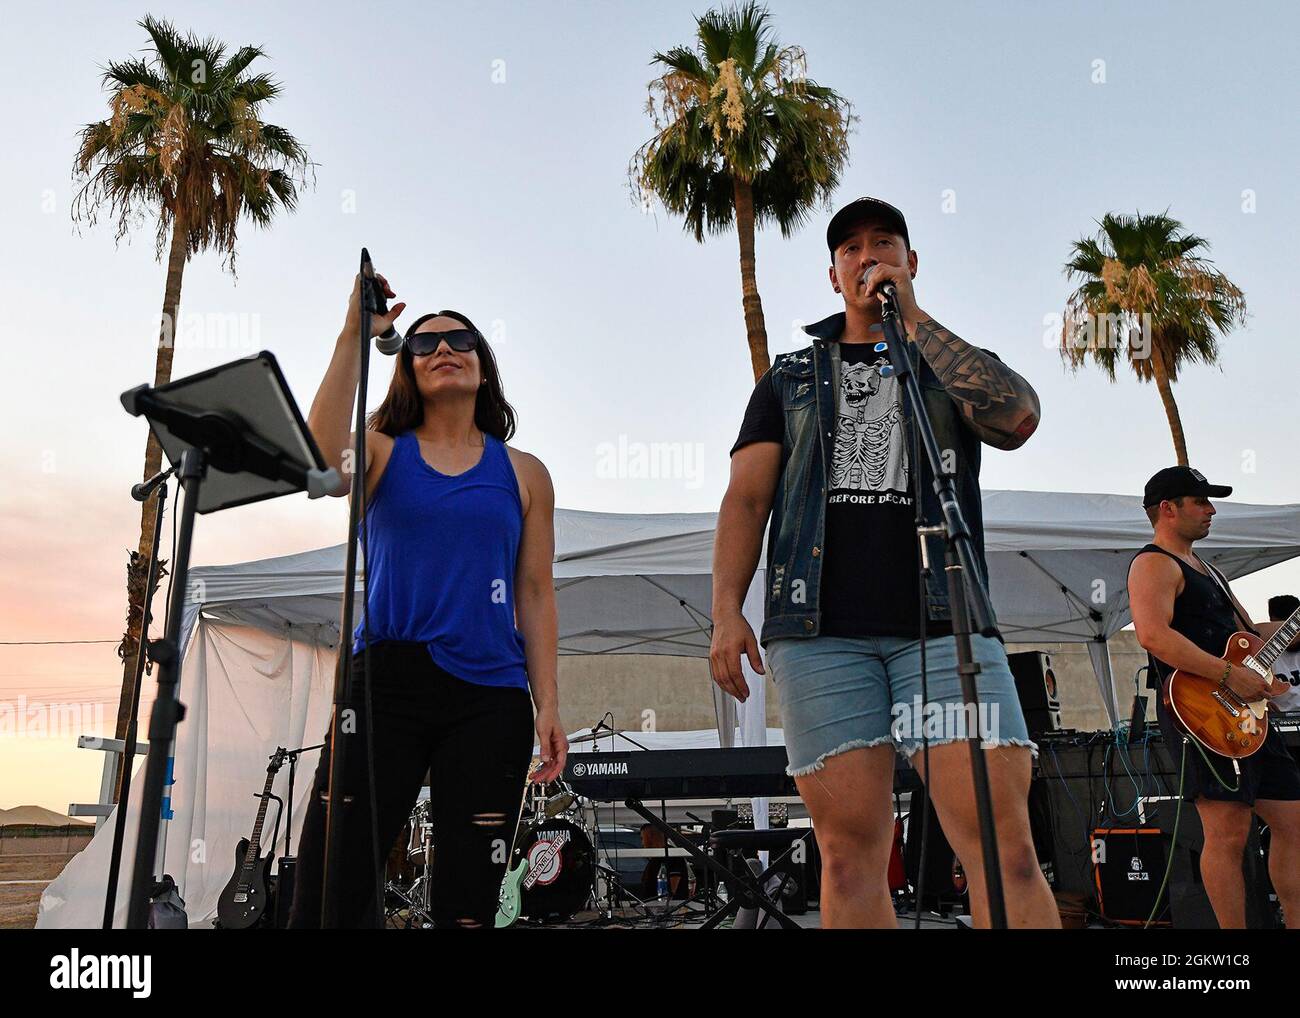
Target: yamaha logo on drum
column 600, row 769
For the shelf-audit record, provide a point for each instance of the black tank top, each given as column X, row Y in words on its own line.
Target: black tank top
column 1202, row 613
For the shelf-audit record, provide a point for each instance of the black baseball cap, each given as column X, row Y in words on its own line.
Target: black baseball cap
column 870, row 210
column 1175, row 482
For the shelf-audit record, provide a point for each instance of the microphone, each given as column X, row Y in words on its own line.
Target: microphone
column 887, row 289
column 144, row 489
column 391, row 341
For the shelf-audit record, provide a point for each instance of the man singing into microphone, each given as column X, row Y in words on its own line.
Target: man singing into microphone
column 826, row 450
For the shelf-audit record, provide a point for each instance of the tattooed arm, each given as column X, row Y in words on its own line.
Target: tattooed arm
column 998, row 405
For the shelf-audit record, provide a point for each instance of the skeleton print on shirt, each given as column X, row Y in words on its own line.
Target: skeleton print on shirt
column 870, row 451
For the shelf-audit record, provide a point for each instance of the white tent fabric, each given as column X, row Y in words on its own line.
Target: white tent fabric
column 261, row 639
column 246, row 691
column 629, row 583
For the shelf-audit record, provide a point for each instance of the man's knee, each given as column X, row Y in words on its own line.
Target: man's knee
column 852, row 851
column 845, row 868
column 850, row 842
column 1018, row 860
column 1226, row 825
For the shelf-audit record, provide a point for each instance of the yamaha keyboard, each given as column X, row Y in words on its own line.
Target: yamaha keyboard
column 675, row 774
column 737, row 773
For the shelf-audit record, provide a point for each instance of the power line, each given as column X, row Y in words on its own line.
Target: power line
column 48, row 643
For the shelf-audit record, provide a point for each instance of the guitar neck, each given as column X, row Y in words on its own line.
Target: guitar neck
column 255, row 842
column 1280, row 640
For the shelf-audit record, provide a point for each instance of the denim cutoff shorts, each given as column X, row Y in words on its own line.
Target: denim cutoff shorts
column 840, row 693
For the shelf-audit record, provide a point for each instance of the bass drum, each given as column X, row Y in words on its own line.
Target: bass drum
column 561, row 866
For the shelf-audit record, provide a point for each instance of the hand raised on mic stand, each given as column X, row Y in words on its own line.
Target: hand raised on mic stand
column 971, row 606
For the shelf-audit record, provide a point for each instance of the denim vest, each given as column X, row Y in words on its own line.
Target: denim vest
column 807, row 384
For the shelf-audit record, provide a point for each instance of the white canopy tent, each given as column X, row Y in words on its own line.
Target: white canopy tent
column 260, row 645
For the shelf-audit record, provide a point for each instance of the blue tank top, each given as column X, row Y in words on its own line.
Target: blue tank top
column 442, row 552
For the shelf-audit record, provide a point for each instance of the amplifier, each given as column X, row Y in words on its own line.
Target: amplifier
column 284, row 891
column 1128, row 864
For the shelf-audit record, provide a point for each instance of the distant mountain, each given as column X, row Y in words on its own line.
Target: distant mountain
column 38, row 816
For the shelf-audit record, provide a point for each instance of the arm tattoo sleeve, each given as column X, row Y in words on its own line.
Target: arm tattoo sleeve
column 1000, row 406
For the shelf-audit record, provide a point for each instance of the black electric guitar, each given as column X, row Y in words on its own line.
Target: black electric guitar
column 245, row 900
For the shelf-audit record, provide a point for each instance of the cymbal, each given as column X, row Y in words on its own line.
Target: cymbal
column 593, row 737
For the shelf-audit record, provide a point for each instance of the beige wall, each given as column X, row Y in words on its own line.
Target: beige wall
column 672, row 694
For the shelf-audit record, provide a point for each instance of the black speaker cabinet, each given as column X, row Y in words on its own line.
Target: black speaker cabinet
column 1189, row 904
column 945, row 879
column 1129, row 867
column 1036, row 688
column 284, row 891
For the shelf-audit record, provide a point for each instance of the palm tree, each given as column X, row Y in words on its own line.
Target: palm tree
column 1150, row 296
column 741, row 134
column 185, row 142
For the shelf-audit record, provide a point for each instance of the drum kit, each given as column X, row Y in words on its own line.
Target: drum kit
column 551, row 874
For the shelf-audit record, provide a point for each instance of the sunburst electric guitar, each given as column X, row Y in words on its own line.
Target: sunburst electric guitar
column 1213, row 714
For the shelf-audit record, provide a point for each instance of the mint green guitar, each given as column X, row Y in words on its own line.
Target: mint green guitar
column 510, row 899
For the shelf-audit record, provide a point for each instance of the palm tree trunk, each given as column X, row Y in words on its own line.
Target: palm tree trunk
column 138, row 566
column 755, row 330
column 1166, row 391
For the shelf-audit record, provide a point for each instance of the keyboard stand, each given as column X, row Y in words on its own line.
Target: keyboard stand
column 745, row 881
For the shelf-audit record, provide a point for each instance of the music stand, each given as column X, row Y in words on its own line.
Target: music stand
column 236, row 436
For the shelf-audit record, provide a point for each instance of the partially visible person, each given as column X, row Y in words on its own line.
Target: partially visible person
column 460, row 622
column 1184, row 612
column 1286, row 668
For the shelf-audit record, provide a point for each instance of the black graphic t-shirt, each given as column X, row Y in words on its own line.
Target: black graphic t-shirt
column 870, row 585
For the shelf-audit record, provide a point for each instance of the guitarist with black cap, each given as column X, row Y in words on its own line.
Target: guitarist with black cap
column 1184, row 613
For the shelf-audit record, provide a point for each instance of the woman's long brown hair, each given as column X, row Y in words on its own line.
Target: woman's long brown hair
column 403, row 407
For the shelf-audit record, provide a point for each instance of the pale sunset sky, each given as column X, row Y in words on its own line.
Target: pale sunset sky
column 481, row 152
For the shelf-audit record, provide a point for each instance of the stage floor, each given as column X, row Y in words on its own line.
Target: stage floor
column 652, row 918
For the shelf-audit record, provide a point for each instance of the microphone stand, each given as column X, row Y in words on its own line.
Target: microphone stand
column 141, row 491
column 971, row 606
column 372, row 302
column 168, row 711
column 292, row 756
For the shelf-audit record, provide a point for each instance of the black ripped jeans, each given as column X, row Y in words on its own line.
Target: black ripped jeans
column 477, row 742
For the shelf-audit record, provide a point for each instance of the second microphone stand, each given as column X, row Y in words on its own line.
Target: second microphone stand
column 371, row 302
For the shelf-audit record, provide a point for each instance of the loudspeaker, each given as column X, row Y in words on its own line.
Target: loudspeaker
column 1129, row 866
column 284, row 891
column 1041, row 832
column 1036, row 689
column 945, row 880
column 1189, row 903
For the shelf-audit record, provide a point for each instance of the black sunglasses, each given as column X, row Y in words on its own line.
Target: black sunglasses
column 421, row 344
